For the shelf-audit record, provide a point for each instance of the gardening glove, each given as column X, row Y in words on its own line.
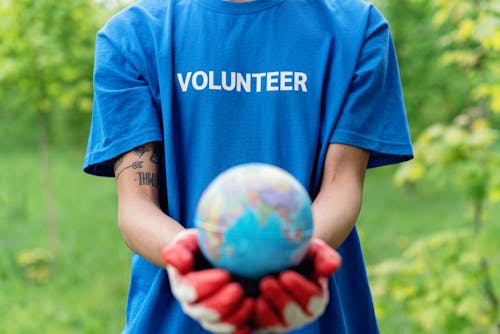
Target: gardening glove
column 206, row 294
column 299, row 295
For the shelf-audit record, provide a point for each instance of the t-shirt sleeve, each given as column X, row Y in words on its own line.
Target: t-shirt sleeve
column 124, row 114
column 373, row 116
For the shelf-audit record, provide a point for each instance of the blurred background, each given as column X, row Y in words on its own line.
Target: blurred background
column 430, row 228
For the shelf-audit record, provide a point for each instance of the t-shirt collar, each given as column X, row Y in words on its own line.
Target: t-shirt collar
column 238, row 7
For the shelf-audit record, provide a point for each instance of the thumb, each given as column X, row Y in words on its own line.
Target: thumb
column 179, row 253
column 326, row 260
column 178, row 257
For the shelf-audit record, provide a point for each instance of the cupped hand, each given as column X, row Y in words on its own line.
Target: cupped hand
column 206, row 294
column 296, row 296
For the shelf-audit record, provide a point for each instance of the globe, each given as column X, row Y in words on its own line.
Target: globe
column 254, row 219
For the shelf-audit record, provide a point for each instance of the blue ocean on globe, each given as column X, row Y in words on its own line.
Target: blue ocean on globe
column 254, row 219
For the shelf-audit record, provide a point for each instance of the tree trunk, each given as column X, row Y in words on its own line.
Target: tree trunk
column 48, row 192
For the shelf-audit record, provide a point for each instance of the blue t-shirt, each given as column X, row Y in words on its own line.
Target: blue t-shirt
column 223, row 83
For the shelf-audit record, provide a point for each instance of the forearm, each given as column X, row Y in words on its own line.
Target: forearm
column 338, row 203
column 335, row 214
column 145, row 228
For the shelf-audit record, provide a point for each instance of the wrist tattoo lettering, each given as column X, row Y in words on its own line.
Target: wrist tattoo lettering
column 139, row 151
column 147, row 179
column 134, row 165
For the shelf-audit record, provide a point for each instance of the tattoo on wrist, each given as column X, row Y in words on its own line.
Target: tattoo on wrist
column 139, row 151
column 148, row 179
column 155, row 156
column 134, row 165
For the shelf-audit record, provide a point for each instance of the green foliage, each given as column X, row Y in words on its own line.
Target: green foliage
column 438, row 282
column 414, row 240
column 35, row 263
column 433, row 92
column 466, row 151
column 86, row 289
column 450, row 281
column 471, row 42
column 463, row 155
column 445, row 274
column 449, row 56
column 46, row 48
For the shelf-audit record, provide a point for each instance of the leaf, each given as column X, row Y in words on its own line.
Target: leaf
column 494, row 194
column 409, row 172
column 466, row 29
column 35, row 256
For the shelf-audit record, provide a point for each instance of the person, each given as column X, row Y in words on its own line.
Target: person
column 187, row 89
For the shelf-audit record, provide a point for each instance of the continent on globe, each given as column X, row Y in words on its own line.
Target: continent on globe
column 254, row 219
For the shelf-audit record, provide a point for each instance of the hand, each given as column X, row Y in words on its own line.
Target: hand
column 296, row 296
column 206, row 294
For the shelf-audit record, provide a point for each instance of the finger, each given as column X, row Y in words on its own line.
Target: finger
column 234, row 322
column 207, row 282
column 241, row 314
column 326, row 260
column 180, row 252
column 182, row 291
column 218, row 305
column 189, row 239
column 197, row 285
column 265, row 317
column 278, row 298
column 311, row 297
column 179, row 257
column 300, row 288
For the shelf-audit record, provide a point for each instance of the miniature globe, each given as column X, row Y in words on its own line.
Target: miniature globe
column 253, row 220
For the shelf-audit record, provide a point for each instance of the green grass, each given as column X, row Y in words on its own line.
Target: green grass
column 392, row 217
column 83, row 288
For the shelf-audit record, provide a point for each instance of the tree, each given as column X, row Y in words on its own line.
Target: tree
column 46, row 51
column 450, row 281
column 433, row 92
column 46, row 48
column 466, row 150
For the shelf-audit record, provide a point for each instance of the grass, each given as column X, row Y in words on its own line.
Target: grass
column 82, row 288
column 392, row 217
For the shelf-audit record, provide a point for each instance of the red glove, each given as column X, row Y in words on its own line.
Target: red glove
column 206, row 294
column 296, row 297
